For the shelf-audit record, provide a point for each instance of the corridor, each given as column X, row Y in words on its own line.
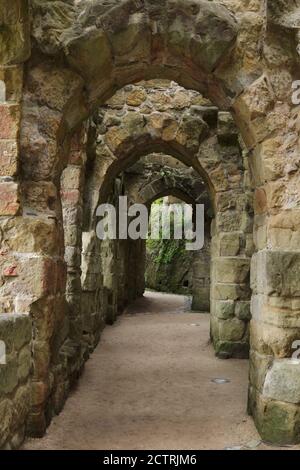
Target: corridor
column 149, row 385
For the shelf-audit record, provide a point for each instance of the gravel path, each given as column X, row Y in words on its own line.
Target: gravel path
column 149, row 385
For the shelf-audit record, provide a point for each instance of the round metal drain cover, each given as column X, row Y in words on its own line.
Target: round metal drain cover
column 220, row 381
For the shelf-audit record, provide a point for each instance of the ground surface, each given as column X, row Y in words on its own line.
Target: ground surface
column 149, row 385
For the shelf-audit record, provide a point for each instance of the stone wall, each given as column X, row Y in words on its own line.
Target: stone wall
column 163, row 115
column 81, row 54
column 16, row 390
column 169, row 267
column 201, row 277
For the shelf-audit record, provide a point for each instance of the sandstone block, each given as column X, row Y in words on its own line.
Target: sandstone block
column 8, row 158
column 9, row 198
column 282, row 381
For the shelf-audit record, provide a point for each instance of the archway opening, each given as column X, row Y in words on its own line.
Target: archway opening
column 202, row 46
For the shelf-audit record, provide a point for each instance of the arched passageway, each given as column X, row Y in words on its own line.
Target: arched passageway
column 243, row 57
column 153, row 387
column 169, row 266
column 202, row 138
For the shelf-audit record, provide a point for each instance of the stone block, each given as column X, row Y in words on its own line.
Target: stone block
column 224, row 309
column 231, row 329
column 21, row 406
column 10, row 121
column 232, row 349
column 71, row 178
column 270, row 339
column 9, row 375
column 6, row 417
column 283, row 273
column 31, row 235
column 232, row 270
column 24, row 363
column 43, row 314
column 231, row 291
column 258, row 368
column 15, row 331
column 12, row 80
column 229, row 244
column 15, row 36
column 277, row 422
column 227, row 131
column 41, row 360
column 282, row 381
column 39, row 393
column 70, row 197
column 72, row 256
column 8, row 158
column 242, row 311
column 9, row 198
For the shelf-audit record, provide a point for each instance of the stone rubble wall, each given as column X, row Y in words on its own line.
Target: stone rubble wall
column 162, row 114
column 15, row 379
column 80, row 54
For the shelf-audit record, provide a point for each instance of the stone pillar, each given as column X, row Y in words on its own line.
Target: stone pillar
column 140, row 267
column 201, row 278
column 274, row 394
column 15, row 323
column 72, row 183
column 272, row 136
column 94, row 300
column 109, row 270
column 123, row 274
column 231, row 250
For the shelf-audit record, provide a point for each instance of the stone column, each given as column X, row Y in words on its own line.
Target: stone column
column 94, row 300
column 201, row 278
column 231, row 248
column 272, row 136
column 15, row 323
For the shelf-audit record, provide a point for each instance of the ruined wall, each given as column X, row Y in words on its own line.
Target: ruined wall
column 201, row 277
column 15, row 375
column 81, row 54
column 15, row 324
column 162, row 115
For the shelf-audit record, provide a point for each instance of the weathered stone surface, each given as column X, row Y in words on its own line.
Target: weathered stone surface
column 232, row 270
column 10, row 122
column 15, row 36
column 9, row 375
column 8, row 158
column 6, row 416
column 24, row 363
column 243, row 55
column 229, row 244
column 9, row 199
column 242, row 310
column 31, row 235
column 15, row 331
column 225, row 309
column 277, row 421
column 278, row 273
column 282, row 381
column 259, row 365
column 232, row 329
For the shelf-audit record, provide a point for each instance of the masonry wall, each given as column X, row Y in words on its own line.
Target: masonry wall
column 16, row 392
column 250, row 72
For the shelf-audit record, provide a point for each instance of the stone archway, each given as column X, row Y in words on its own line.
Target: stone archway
column 152, row 178
column 248, row 71
column 140, row 120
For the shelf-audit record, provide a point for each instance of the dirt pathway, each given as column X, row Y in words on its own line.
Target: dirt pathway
column 149, row 385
